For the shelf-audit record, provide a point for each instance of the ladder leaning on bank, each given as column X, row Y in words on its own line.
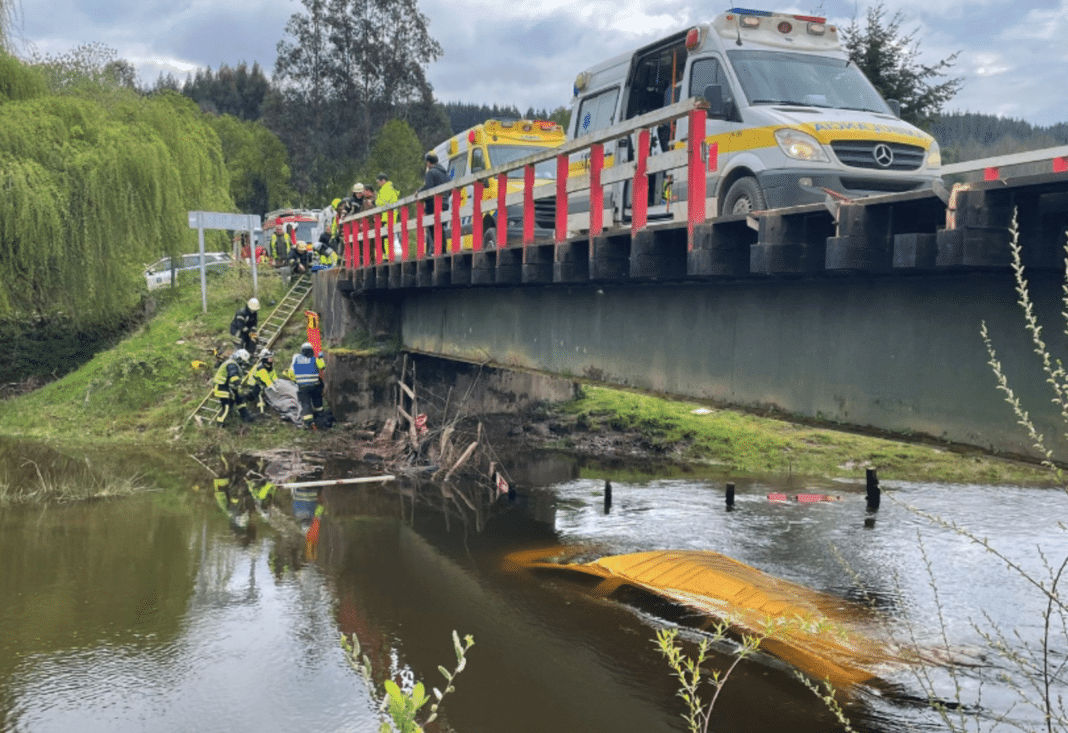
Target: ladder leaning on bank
column 266, row 335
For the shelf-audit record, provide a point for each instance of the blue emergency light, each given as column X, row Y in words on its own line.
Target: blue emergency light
column 748, row 11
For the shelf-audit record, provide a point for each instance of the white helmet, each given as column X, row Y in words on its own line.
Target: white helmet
column 242, row 356
column 306, row 346
column 253, row 304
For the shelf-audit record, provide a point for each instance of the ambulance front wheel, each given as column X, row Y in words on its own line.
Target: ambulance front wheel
column 744, row 196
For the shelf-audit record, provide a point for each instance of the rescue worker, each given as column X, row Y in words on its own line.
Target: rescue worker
column 304, row 370
column 243, row 327
column 299, row 259
column 387, row 194
column 335, row 221
column 227, row 386
column 436, row 176
column 356, row 203
column 279, row 244
column 263, row 377
column 326, row 256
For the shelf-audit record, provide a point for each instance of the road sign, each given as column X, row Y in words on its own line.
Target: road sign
column 218, row 220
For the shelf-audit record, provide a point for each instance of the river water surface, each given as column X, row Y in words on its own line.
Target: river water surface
column 155, row 613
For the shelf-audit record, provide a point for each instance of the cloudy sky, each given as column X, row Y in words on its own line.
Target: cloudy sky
column 1013, row 54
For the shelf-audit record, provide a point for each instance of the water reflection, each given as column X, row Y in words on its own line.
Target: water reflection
column 156, row 612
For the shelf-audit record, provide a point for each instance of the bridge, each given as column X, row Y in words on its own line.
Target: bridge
column 861, row 312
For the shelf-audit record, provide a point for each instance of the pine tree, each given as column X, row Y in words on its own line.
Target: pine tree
column 890, row 60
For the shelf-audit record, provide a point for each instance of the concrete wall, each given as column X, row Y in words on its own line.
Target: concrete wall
column 897, row 353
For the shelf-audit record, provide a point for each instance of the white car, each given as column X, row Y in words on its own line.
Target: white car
column 159, row 274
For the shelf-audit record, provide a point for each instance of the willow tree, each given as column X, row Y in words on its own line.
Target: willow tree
column 95, row 185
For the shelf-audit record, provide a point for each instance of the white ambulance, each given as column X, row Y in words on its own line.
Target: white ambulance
column 793, row 120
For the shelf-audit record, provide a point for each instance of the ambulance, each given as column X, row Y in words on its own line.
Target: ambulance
column 791, row 118
column 494, row 143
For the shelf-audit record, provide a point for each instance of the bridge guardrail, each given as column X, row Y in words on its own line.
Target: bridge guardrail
column 422, row 236
column 365, row 233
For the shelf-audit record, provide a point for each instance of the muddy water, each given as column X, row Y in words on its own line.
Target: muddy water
column 155, row 613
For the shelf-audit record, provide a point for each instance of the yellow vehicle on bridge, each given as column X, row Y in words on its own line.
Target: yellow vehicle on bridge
column 499, row 142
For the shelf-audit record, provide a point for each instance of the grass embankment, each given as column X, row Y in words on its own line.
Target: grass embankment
column 141, row 393
column 745, row 443
column 143, row 390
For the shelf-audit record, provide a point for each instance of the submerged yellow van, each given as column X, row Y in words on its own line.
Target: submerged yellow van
column 792, row 118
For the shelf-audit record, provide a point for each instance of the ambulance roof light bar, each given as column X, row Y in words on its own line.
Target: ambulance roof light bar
column 769, row 14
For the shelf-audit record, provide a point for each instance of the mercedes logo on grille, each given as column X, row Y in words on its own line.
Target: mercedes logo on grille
column 883, row 155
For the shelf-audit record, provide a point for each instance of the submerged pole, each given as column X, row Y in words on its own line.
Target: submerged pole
column 873, row 490
column 730, row 496
column 338, row 481
column 607, row 496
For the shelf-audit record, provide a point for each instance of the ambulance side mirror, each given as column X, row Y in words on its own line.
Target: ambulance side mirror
column 895, row 107
column 714, row 96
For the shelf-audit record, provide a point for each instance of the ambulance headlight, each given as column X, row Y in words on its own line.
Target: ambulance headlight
column 800, row 146
column 934, row 156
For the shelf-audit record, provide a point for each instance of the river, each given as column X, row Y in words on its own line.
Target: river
column 155, row 613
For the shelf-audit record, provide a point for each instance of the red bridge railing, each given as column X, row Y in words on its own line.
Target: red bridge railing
column 370, row 236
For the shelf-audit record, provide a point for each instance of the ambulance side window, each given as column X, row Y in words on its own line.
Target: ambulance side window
column 709, row 71
column 478, row 161
column 458, row 166
column 596, row 112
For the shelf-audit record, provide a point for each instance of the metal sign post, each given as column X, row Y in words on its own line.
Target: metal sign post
column 201, row 220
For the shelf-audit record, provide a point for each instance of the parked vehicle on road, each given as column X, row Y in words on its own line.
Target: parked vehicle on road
column 160, row 273
column 792, row 119
column 499, row 142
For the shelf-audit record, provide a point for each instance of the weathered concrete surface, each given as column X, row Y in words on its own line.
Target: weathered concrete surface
column 896, row 353
column 363, row 389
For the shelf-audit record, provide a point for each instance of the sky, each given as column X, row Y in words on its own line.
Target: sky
column 1013, row 54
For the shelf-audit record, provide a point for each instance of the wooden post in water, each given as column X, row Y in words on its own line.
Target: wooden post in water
column 730, row 497
column 607, row 496
column 873, row 490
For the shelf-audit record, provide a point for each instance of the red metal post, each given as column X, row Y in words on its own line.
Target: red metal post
column 420, row 232
column 502, row 211
column 561, row 197
column 390, row 255
column 366, row 239
column 596, row 192
column 639, row 205
column 476, row 217
column 404, row 232
column 528, row 205
column 457, row 235
column 438, row 233
column 378, row 239
column 695, row 173
column 346, row 235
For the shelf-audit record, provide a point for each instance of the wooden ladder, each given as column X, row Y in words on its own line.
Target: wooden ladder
column 208, row 409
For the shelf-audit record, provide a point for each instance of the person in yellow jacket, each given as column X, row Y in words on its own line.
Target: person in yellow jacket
column 326, row 257
column 387, row 194
column 263, row 376
column 228, row 386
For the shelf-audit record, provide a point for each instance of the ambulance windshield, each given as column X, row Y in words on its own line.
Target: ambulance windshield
column 501, row 154
column 798, row 79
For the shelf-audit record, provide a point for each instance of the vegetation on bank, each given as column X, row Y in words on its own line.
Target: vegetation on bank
column 143, row 390
column 746, row 443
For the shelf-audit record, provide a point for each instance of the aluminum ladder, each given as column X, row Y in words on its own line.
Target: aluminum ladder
column 209, row 407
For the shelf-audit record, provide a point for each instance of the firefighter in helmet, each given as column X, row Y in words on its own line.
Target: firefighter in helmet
column 243, row 327
column 263, row 377
column 227, row 386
